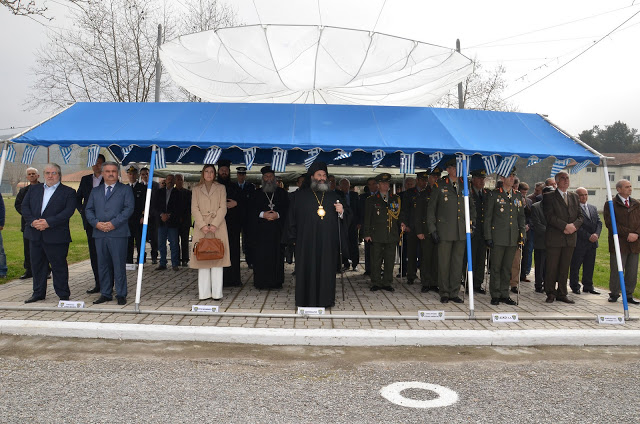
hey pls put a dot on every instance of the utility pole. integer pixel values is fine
(460, 101)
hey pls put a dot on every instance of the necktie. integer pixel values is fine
(564, 196)
(586, 211)
(108, 192)
(626, 202)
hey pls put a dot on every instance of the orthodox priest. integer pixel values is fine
(236, 210)
(267, 214)
(317, 224)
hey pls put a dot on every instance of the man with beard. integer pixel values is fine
(247, 190)
(236, 214)
(267, 213)
(315, 219)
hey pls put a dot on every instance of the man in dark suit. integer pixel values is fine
(539, 224)
(32, 179)
(247, 189)
(168, 210)
(88, 183)
(584, 254)
(152, 224)
(372, 186)
(564, 217)
(108, 210)
(135, 221)
(352, 201)
(46, 209)
(478, 246)
(185, 224)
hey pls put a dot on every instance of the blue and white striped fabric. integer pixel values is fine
(435, 160)
(212, 156)
(579, 167)
(249, 157)
(533, 160)
(182, 153)
(558, 166)
(126, 151)
(11, 153)
(66, 154)
(342, 155)
(312, 156)
(459, 171)
(407, 163)
(377, 157)
(490, 163)
(506, 165)
(29, 154)
(279, 161)
(92, 155)
(161, 162)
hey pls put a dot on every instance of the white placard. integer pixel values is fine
(610, 319)
(70, 304)
(505, 317)
(310, 311)
(131, 267)
(430, 315)
(204, 308)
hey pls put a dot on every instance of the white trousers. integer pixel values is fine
(210, 283)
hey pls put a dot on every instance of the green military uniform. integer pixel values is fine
(446, 223)
(408, 218)
(504, 225)
(429, 250)
(381, 224)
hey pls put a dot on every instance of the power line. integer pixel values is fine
(574, 58)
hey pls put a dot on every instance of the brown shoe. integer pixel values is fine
(564, 299)
(550, 298)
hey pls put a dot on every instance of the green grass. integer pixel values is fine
(13, 247)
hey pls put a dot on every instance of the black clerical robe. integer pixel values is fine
(265, 244)
(234, 219)
(317, 242)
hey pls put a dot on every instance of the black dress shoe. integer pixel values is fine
(185, 263)
(409, 282)
(388, 288)
(122, 300)
(424, 289)
(444, 299)
(613, 299)
(495, 301)
(564, 299)
(539, 290)
(366, 273)
(26, 275)
(33, 299)
(575, 291)
(96, 289)
(457, 300)
(101, 299)
(64, 298)
(161, 268)
(632, 301)
(435, 289)
(375, 288)
(175, 268)
(480, 291)
(154, 261)
(514, 289)
(508, 301)
(550, 298)
(592, 291)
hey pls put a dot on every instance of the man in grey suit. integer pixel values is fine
(585, 253)
(108, 210)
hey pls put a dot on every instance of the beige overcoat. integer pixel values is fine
(210, 208)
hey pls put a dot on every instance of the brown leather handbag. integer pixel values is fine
(208, 249)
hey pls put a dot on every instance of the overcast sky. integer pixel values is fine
(531, 39)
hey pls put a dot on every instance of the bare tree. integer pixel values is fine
(31, 8)
(482, 89)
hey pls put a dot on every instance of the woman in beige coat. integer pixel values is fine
(209, 207)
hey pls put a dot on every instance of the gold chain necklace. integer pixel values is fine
(321, 211)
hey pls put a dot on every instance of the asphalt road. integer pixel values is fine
(49, 380)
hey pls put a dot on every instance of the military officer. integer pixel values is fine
(446, 225)
(478, 246)
(428, 249)
(408, 217)
(382, 212)
(503, 230)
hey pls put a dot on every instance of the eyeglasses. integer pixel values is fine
(50, 173)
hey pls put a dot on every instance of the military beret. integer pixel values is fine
(384, 178)
(224, 162)
(241, 170)
(479, 173)
(132, 169)
(267, 169)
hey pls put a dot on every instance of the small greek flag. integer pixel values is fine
(92, 155)
(212, 156)
(279, 161)
(407, 163)
(126, 151)
(11, 153)
(435, 159)
(533, 160)
(313, 155)
(579, 167)
(66, 154)
(506, 165)
(29, 154)
(182, 153)
(342, 155)
(459, 171)
(490, 163)
(160, 159)
(249, 157)
(378, 155)
(558, 166)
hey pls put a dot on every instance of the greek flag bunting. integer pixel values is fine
(407, 163)
(435, 160)
(29, 154)
(459, 171)
(161, 162)
(342, 155)
(579, 167)
(92, 155)
(506, 165)
(182, 153)
(312, 156)
(249, 157)
(66, 154)
(533, 160)
(126, 151)
(558, 166)
(490, 163)
(378, 155)
(11, 153)
(279, 160)
(212, 156)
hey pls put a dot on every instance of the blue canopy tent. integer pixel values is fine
(427, 133)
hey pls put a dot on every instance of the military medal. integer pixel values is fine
(321, 211)
(446, 199)
(501, 209)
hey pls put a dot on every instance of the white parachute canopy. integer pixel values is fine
(312, 64)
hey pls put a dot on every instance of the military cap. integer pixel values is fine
(224, 162)
(267, 169)
(385, 177)
(436, 171)
(241, 170)
(132, 169)
(479, 173)
(450, 162)
(423, 175)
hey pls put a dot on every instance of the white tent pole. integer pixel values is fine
(467, 226)
(145, 222)
(5, 151)
(616, 241)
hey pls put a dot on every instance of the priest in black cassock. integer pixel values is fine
(267, 210)
(315, 217)
(236, 212)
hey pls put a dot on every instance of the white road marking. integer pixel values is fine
(392, 393)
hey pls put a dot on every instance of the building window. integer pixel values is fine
(638, 178)
(591, 169)
(612, 176)
(591, 192)
(626, 177)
